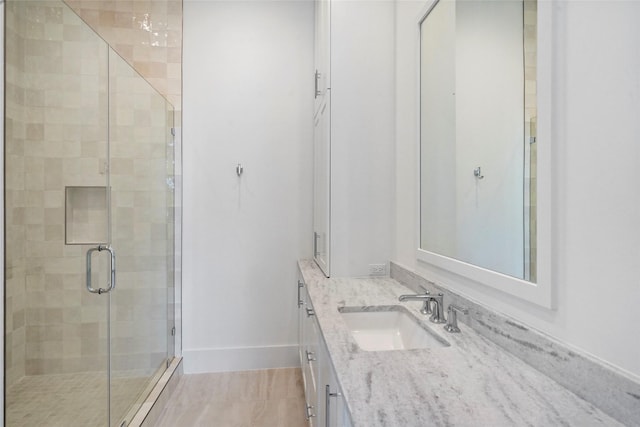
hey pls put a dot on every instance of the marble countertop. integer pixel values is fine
(473, 382)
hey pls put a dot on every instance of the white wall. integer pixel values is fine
(362, 134)
(248, 68)
(596, 203)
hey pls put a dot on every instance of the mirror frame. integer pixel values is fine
(540, 293)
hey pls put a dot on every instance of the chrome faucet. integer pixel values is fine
(438, 310)
(437, 313)
(426, 297)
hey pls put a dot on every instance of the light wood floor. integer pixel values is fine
(268, 398)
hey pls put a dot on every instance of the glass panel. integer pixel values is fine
(531, 135)
(141, 235)
(56, 137)
(62, 108)
(170, 144)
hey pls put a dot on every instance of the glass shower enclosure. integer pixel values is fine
(89, 164)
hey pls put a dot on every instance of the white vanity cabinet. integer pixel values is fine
(325, 406)
(308, 352)
(332, 408)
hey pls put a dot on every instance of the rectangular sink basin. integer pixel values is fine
(392, 327)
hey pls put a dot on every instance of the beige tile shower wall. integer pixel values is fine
(146, 33)
(56, 137)
(65, 79)
(14, 199)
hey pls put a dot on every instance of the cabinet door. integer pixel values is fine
(301, 318)
(310, 389)
(308, 353)
(322, 77)
(322, 186)
(331, 407)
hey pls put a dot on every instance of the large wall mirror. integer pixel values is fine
(479, 162)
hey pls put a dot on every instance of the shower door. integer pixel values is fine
(140, 175)
(88, 211)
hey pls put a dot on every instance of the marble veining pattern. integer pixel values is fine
(612, 391)
(472, 382)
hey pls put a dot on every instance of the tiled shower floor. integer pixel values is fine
(68, 400)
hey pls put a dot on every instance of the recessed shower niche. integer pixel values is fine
(86, 215)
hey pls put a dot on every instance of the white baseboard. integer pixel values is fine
(239, 359)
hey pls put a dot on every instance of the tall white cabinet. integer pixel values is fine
(322, 137)
(354, 116)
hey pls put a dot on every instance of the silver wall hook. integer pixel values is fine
(239, 169)
(477, 172)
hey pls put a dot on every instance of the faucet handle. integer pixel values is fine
(452, 319)
(438, 311)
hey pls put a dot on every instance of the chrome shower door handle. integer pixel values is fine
(112, 268)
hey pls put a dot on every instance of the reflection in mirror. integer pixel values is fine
(478, 134)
